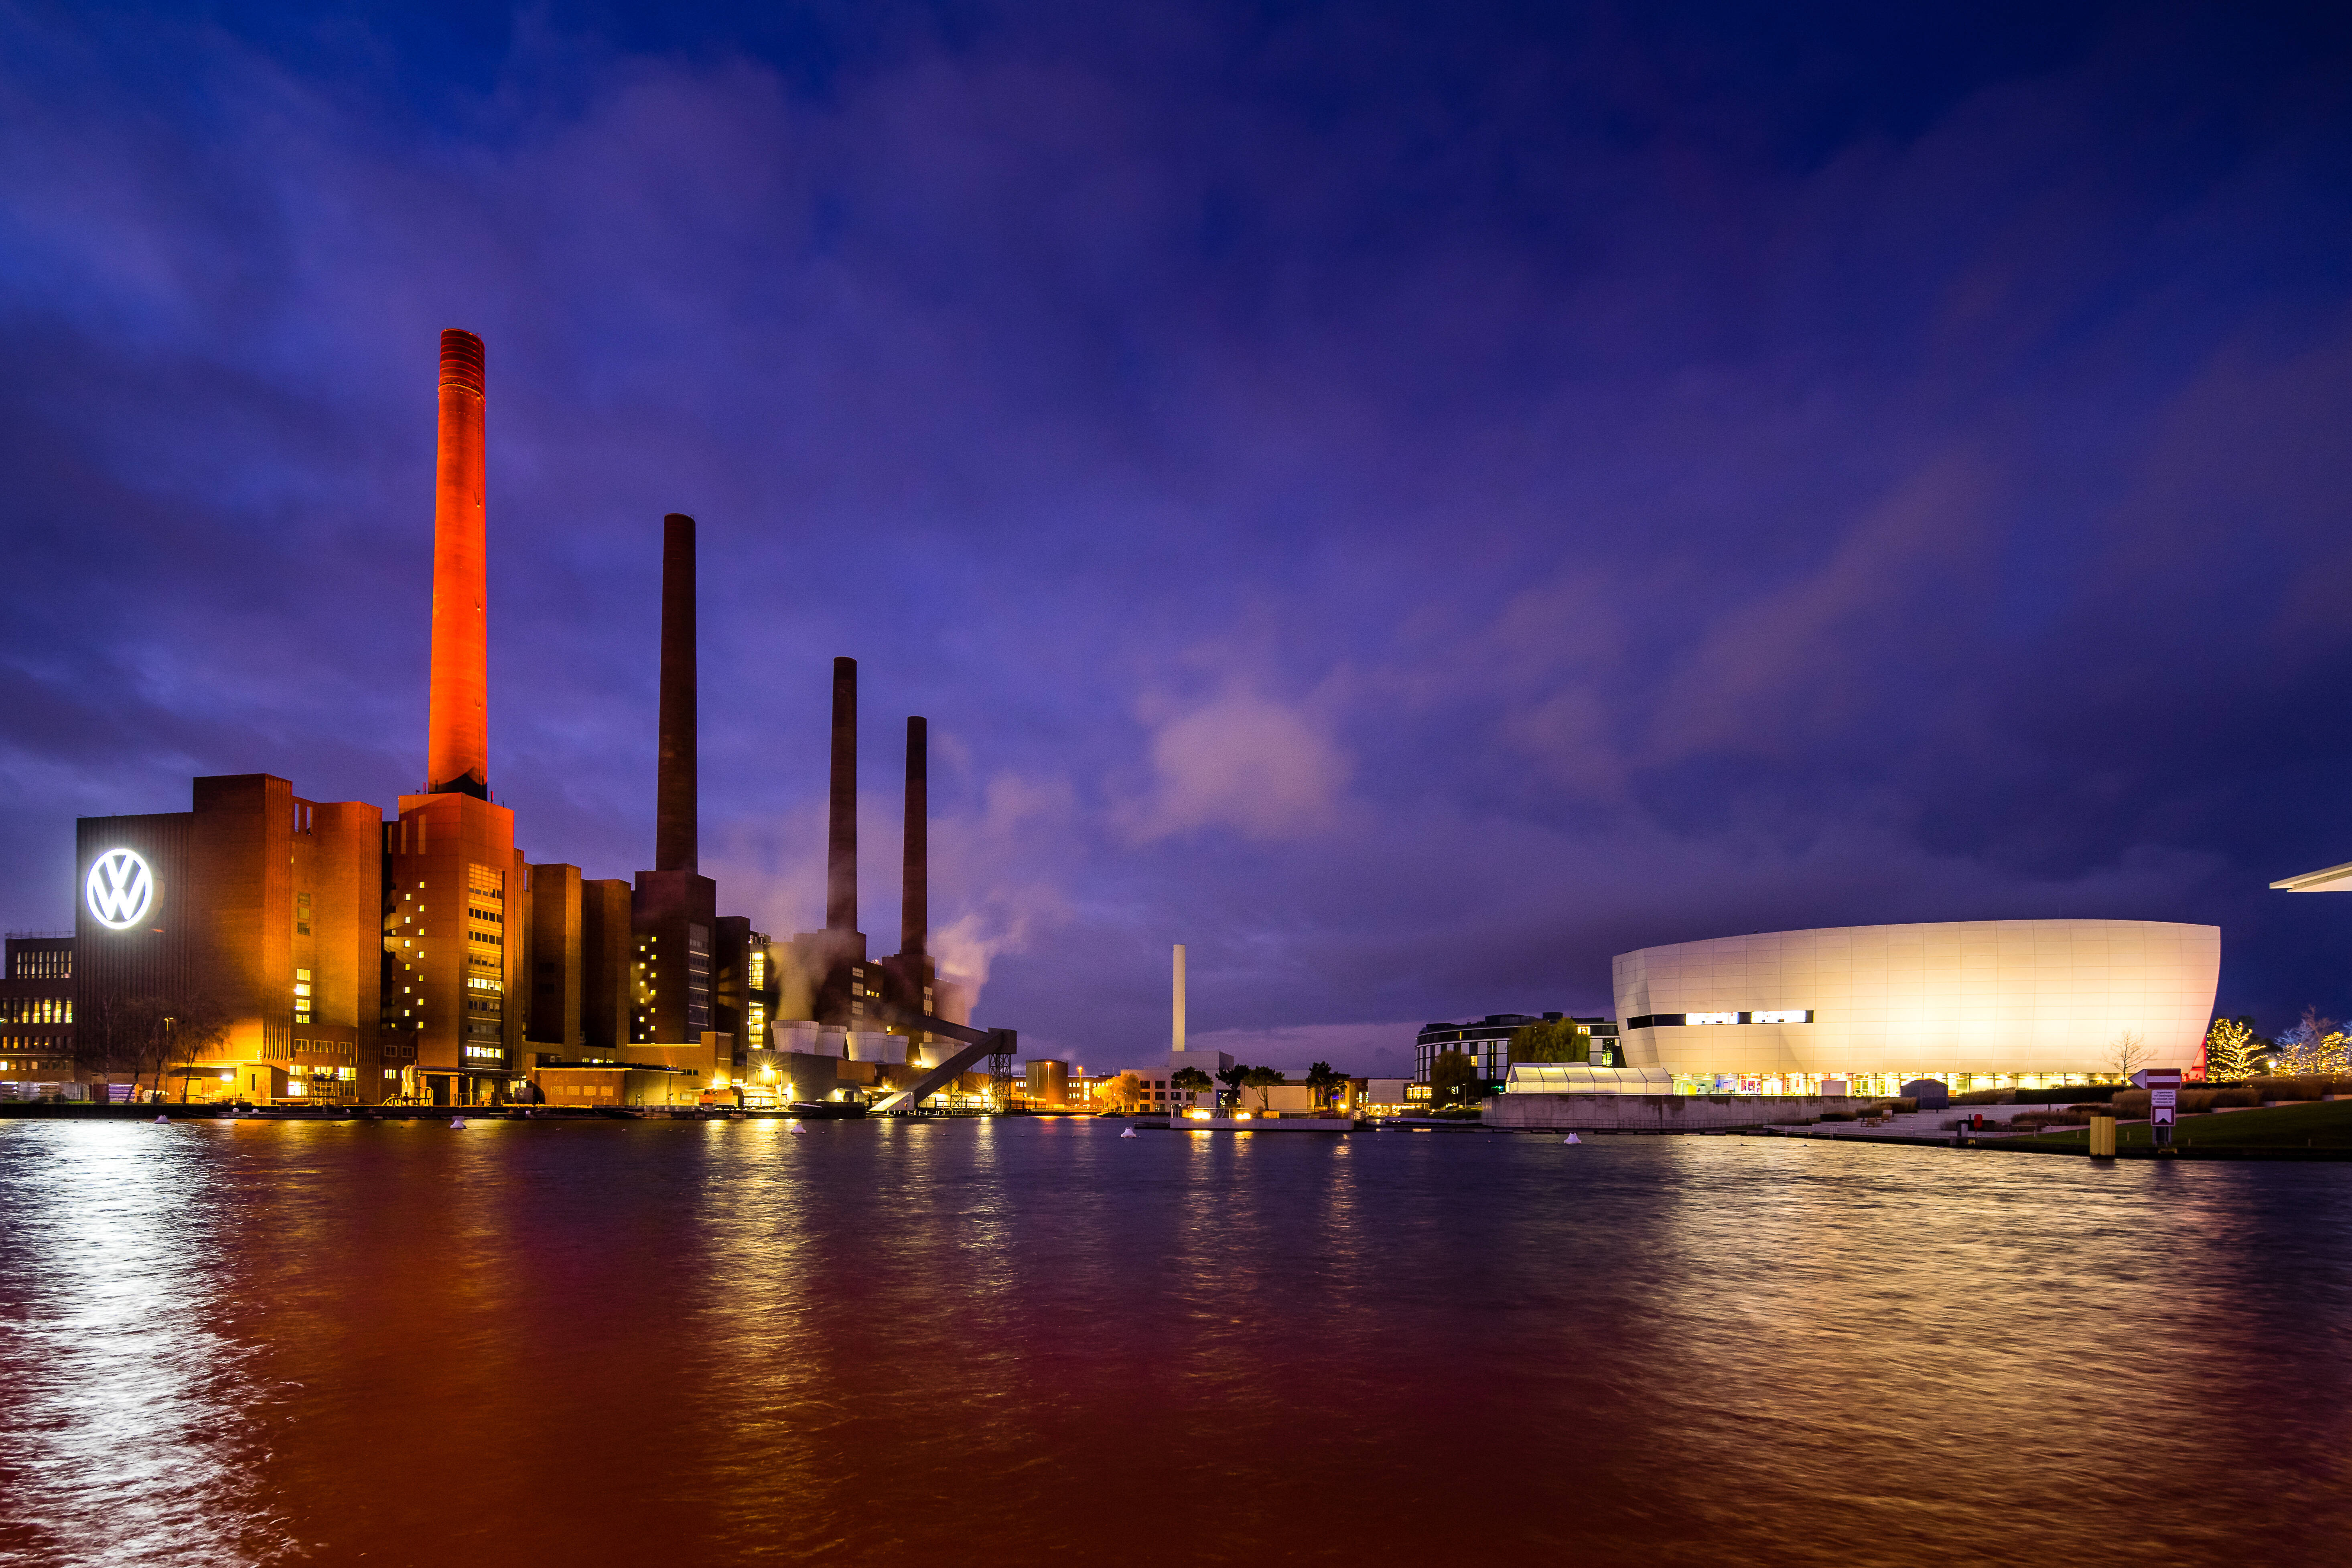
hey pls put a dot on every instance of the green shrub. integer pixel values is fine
(1986, 1097)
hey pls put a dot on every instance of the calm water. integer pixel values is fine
(1037, 1342)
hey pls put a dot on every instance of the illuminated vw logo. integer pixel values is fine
(121, 889)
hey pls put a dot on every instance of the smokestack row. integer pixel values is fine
(672, 920)
(840, 822)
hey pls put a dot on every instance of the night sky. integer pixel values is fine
(1410, 500)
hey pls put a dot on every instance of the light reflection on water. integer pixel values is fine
(129, 1405)
(1018, 1339)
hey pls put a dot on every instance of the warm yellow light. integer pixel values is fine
(1241, 1115)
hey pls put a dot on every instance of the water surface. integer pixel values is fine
(1033, 1341)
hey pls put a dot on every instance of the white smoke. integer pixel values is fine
(992, 869)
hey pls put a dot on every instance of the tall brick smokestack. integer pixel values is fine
(915, 890)
(841, 834)
(457, 748)
(676, 832)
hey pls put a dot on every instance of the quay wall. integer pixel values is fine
(1652, 1113)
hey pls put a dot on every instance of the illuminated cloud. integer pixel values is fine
(1263, 769)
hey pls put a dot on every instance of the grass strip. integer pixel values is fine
(2312, 1125)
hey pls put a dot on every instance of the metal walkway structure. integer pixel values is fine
(976, 1044)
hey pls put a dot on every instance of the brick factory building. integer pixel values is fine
(263, 947)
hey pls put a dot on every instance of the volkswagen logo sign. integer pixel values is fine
(121, 889)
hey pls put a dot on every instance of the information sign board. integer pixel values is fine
(2163, 1086)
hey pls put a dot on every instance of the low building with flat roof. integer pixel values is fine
(1487, 1041)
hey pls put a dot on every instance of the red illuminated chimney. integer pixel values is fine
(457, 750)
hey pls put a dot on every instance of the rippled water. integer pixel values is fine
(1035, 1340)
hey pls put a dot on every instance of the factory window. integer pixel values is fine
(302, 915)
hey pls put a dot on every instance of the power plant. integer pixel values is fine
(265, 948)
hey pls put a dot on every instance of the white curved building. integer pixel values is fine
(1977, 1004)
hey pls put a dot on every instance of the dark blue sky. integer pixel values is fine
(1412, 501)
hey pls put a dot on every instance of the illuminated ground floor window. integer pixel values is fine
(1877, 1085)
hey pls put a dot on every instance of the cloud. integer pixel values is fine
(1264, 769)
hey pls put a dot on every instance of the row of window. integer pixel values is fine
(36, 1010)
(41, 964)
(1677, 1020)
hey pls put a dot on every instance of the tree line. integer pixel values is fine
(1124, 1091)
(139, 1037)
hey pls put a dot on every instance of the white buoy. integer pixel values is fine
(456, 1121)
(162, 1119)
(795, 1127)
(1571, 1138)
(1129, 1133)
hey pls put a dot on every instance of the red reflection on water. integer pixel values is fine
(1020, 1341)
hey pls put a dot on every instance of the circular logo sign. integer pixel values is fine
(121, 889)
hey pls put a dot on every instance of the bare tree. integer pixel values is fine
(196, 1023)
(2128, 1052)
(2311, 1045)
(117, 1033)
(142, 1036)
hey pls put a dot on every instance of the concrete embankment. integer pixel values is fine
(1651, 1113)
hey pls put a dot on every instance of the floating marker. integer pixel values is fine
(1571, 1138)
(457, 1121)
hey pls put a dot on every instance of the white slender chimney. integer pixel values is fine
(1176, 1018)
